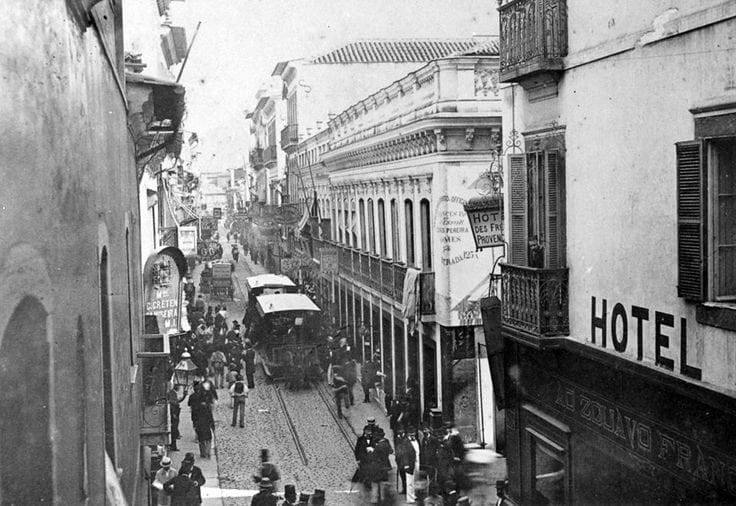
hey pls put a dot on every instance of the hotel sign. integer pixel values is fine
(486, 221)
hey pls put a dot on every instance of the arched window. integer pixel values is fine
(382, 228)
(395, 231)
(426, 234)
(106, 344)
(409, 221)
(371, 228)
(26, 454)
(361, 211)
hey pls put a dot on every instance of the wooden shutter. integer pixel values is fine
(691, 221)
(554, 248)
(518, 209)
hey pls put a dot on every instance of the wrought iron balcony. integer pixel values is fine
(256, 157)
(533, 38)
(289, 136)
(270, 154)
(536, 302)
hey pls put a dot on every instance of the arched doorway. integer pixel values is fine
(25, 446)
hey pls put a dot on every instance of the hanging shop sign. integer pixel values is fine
(209, 250)
(162, 288)
(188, 240)
(328, 260)
(486, 221)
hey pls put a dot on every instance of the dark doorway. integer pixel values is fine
(26, 472)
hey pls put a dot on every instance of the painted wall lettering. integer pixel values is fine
(660, 338)
(656, 443)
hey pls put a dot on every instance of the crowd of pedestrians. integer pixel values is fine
(430, 465)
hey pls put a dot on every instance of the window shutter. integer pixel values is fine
(691, 221)
(518, 209)
(554, 250)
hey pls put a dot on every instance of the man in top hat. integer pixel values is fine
(289, 496)
(249, 363)
(303, 499)
(318, 498)
(181, 488)
(267, 470)
(195, 475)
(368, 375)
(265, 496)
(340, 388)
(163, 475)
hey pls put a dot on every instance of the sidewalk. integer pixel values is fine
(211, 493)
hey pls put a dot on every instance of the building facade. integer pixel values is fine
(617, 309)
(71, 320)
(391, 181)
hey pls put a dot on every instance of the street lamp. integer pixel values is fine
(184, 372)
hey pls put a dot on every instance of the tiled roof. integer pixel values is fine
(404, 51)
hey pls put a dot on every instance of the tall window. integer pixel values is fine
(382, 228)
(130, 295)
(426, 234)
(371, 227)
(409, 222)
(106, 344)
(361, 208)
(395, 230)
(537, 209)
(706, 211)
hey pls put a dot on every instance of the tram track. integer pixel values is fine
(291, 426)
(332, 409)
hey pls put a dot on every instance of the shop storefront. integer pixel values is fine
(584, 426)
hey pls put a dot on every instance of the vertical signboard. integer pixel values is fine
(162, 288)
(328, 262)
(188, 240)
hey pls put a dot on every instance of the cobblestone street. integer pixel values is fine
(326, 458)
(309, 445)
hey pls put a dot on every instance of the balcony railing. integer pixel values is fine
(365, 268)
(289, 136)
(387, 278)
(535, 301)
(380, 274)
(256, 157)
(399, 275)
(533, 37)
(270, 154)
(375, 273)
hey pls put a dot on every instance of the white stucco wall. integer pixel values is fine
(461, 272)
(623, 115)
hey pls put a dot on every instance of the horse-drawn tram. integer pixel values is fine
(288, 326)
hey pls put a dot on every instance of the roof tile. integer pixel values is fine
(407, 50)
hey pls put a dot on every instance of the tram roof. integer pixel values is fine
(277, 302)
(269, 281)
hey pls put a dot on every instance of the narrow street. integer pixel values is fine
(312, 448)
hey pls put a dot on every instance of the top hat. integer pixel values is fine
(290, 493)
